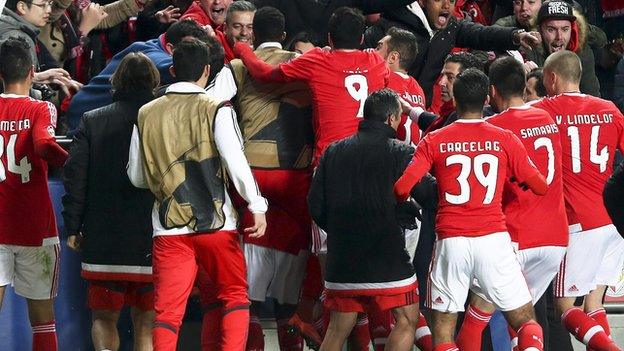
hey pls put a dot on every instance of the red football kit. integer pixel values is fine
(340, 82)
(532, 220)
(407, 88)
(471, 160)
(26, 133)
(591, 129)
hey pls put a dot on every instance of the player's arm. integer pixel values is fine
(45, 145)
(224, 86)
(418, 115)
(421, 163)
(230, 145)
(135, 170)
(75, 180)
(258, 68)
(522, 169)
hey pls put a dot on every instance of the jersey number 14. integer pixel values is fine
(23, 168)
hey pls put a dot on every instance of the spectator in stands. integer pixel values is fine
(524, 13)
(208, 12)
(102, 209)
(438, 32)
(158, 16)
(98, 92)
(24, 19)
(534, 89)
(191, 230)
(563, 29)
(238, 27)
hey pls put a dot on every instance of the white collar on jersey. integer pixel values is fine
(269, 44)
(402, 75)
(460, 120)
(521, 107)
(12, 96)
(574, 94)
(184, 87)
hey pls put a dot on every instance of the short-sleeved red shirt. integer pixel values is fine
(26, 213)
(407, 88)
(532, 220)
(471, 160)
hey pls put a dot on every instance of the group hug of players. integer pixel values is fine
(520, 202)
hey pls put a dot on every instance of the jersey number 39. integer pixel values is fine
(476, 165)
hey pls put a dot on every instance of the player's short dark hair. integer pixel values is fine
(239, 6)
(565, 64)
(470, 90)
(217, 56)
(507, 75)
(186, 28)
(404, 42)
(303, 37)
(135, 72)
(189, 59)
(268, 25)
(538, 74)
(465, 60)
(381, 104)
(346, 27)
(15, 60)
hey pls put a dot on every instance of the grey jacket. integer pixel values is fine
(13, 25)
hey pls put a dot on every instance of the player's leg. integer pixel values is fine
(142, 321)
(220, 255)
(340, 326)
(213, 311)
(7, 265)
(476, 318)
(578, 277)
(423, 339)
(380, 325)
(174, 269)
(141, 300)
(261, 265)
(594, 308)
(401, 337)
(36, 279)
(443, 330)
(105, 300)
(104, 329)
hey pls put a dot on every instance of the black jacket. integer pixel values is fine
(352, 199)
(614, 198)
(312, 16)
(433, 51)
(100, 201)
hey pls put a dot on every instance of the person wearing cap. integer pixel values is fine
(562, 28)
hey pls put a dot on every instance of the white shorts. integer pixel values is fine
(540, 266)
(411, 241)
(32, 270)
(487, 265)
(595, 257)
(273, 273)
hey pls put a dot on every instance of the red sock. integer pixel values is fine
(469, 336)
(587, 331)
(423, 338)
(234, 327)
(530, 337)
(211, 330)
(255, 338)
(513, 336)
(449, 346)
(288, 341)
(380, 325)
(164, 336)
(600, 316)
(360, 336)
(44, 337)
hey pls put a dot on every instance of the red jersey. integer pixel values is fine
(340, 82)
(26, 214)
(471, 160)
(408, 88)
(532, 220)
(591, 129)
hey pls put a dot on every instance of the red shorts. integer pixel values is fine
(370, 304)
(114, 295)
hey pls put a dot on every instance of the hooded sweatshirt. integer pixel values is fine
(13, 25)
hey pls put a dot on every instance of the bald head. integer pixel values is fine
(566, 65)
